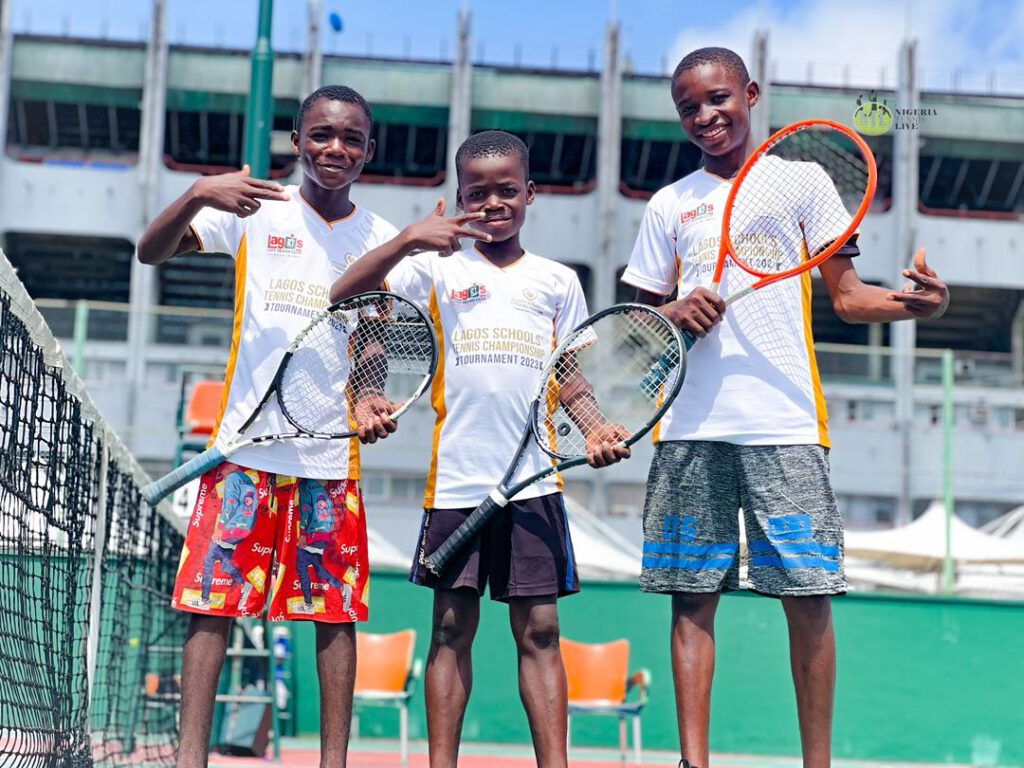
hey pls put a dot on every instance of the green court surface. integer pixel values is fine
(920, 680)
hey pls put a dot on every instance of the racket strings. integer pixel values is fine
(607, 385)
(797, 199)
(359, 355)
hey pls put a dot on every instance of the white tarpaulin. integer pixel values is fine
(602, 554)
(922, 543)
(1009, 526)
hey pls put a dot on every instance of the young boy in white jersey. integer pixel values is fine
(749, 427)
(499, 311)
(289, 245)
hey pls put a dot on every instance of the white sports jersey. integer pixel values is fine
(754, 379)
(497, 327)
(286, 258)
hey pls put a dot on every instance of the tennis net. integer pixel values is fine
(86, 569)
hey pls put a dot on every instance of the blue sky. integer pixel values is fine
(826, 41)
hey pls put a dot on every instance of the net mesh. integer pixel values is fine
(78, 631)
(368, 353)
(610, 381)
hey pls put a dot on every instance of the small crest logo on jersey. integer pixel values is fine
(285, 245)
(529, 303)
(702, 211)
(471, 295)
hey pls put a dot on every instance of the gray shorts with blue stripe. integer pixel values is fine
(695, 492)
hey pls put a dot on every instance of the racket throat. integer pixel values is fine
(498, 498)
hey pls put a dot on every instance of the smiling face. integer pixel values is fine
(714, 109)
(333, 143)
(496, 185)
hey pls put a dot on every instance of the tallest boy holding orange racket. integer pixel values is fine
(749, 427)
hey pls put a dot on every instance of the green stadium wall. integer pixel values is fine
(920, 678)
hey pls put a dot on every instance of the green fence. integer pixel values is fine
(920, 679)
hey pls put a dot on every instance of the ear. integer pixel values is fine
(753, 92)
(295, 142)
(531, 192)
(371, 147)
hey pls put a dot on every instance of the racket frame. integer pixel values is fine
(726, 247)
(499, 498)
(214, 455)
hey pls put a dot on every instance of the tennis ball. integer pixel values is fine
(335, 19)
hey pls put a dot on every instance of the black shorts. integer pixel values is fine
(525, 551)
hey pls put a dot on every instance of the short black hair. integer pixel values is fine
(493, 144)
(724, 57)
(333, 93)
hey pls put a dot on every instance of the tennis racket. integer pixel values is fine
(795, 202)
(594, 387)
(368, 347)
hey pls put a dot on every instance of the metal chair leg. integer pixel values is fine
(637, 745)
(403, 732)
(622, 738)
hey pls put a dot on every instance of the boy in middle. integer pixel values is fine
(499, 311)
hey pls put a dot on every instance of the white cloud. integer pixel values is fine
(857, 41)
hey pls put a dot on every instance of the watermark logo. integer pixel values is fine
(873, 116)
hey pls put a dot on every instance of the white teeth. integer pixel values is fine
(713, 133)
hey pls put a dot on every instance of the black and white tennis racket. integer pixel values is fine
(366, 351)
(595, 387)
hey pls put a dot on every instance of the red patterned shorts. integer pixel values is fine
(259, 539)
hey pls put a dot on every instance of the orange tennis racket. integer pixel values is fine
(795, 202)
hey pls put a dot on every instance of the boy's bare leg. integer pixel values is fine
(812, 654)
(693, 667)
(542, 683)
(201, 663)
(449, 677)
(336, 669)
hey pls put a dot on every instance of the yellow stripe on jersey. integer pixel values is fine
(656, 433)
(236, 334)
(821, 409)
(436, 399)
(353, 442)
(554, 440)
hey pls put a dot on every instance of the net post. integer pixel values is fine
(81, 333)
(96, 589)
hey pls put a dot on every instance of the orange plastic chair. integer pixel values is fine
(203, 408)
(600, 684)
(386, 675)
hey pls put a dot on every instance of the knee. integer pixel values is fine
(813, 612)
(450, 633)
(698, 609)
(539, 635)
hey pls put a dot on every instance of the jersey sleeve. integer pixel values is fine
(412, 279)
(652, 265)
(571, 311)
(824, 217)
(218, 231)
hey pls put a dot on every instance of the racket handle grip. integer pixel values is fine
(173, 480)
(689, 340)
(660, 372)
(478, 518)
